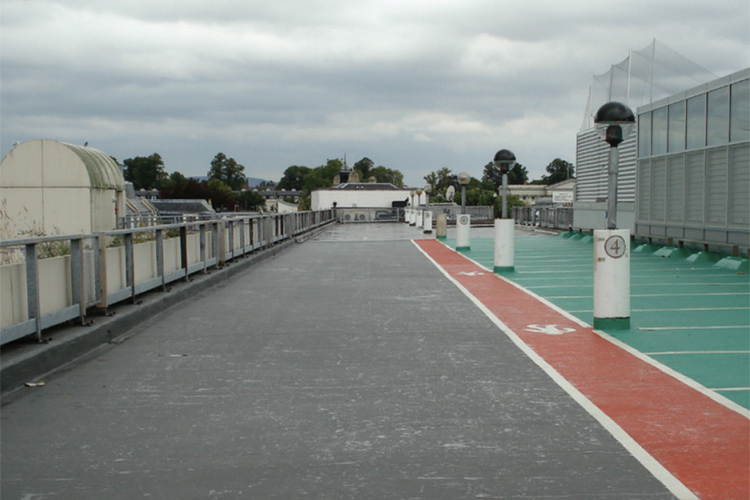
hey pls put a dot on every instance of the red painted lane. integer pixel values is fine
(704, 444)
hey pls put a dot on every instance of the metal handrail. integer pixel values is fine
(253, 232)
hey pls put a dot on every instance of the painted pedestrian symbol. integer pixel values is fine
(549, 329)
(471, 273)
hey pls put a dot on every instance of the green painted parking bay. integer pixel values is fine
(690, 311)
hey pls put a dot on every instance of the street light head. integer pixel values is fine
(505, 160)
(427, 189)
(464, 178)
(614, 123)
(419, 192)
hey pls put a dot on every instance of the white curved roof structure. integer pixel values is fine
(49, 187)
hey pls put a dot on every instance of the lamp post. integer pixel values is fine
(504, 227)
(614, 123)
(463, 221)
(427, 218)
(505, 160)
(412, 210)
(463, 180)
(419, 209)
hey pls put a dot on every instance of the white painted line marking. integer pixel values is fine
(657, 328)
(669, 353)
(656, 295)
(650, 463)
(622, 345)
(579, 311)
(728, 389)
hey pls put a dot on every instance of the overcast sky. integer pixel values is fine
(414, 85)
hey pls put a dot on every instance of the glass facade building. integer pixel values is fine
(693, 164)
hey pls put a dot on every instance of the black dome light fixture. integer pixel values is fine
(463, 180)
(614, 123)
(505, 160)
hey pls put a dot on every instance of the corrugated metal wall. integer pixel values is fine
(592, 156)
(702, 195)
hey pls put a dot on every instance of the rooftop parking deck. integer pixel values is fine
(360, 364)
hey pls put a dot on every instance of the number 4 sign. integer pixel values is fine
(615, 246)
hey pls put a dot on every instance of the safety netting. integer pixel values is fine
(645, 76)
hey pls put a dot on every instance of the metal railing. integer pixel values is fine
(369, 214)
(99, 270)
(374, 214)
(547, 217)
(478, 213)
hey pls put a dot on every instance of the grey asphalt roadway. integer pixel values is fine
(347, 367)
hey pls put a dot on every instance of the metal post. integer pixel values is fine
(102, 274)
(160, 258)
(203, 248)
(33, 301)
(614, 158)
(252, 230)
(242, 237)
(505, 196)
(184, 251)
(463, 199)
(129, 265)
(76, 276)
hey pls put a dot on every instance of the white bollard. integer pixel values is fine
(419, 218)
(442, 225)
(412, 217)
(427, 222)
(463, 227)
(504, 245)
(612, 279)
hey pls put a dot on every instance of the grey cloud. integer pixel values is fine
(415, 85)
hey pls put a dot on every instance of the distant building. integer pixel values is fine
(180, 208)
(359, 194)
(346, 175)
(278, 193)
(49, 187)
(280, 206)
(530, 194)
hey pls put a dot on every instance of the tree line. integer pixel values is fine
(226, 183)
(224, 187)
(227, 190)
(484, 191)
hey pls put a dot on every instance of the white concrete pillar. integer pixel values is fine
(504, 245)
(442, 226)
(427, 222)
(412, 217)
(612, 279)
(419, 218)
(463, 228)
